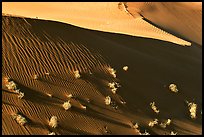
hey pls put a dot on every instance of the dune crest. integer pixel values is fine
(107, 16)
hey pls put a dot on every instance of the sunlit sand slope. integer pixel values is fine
(103, 16)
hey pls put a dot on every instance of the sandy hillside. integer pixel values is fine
(54, 50)
(183, 19)
(52, 62)
(103, 16)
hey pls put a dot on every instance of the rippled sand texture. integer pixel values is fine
(52, 51)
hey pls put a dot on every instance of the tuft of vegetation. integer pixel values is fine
(51, 133)
(20, 119)
(76, 74)
(145, 133)
(192, 109)
(108, 100)
(125, 68)
(53, 122)
(154, 108)
(112, 72)
(173, 133)
(20, 95)
(67, 105)
(166, 123)
(173, 88)
(11, 85)
(152, 123)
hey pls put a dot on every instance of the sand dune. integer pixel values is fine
(183, 19)
(39, 47)
(103, 16)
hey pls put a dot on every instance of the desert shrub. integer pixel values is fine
(172, 133)
(11, 85)
(152, 123)
(51, 133)
(173, 88)
(53, 122)
(67, 105)
(20, 95)
(192, 109)
(154, 108)
(76, 74)
(112, 72)
(108, 100)
(20, 119)
(125, 68)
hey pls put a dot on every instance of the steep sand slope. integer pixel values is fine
(32, 46)
(103, 16)
(181, 18)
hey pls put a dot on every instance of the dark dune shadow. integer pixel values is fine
(38, 97)
(95, 114)
(71, 130)
(153, 65)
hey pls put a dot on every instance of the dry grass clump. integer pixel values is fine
(172, 133)
(108, 100)
(173, 88)
(112, 72)
(51, 133)
(67, 105)
(154, 108)
(76, 74)
(11, 85)
(145, 133)
(192, 109)
(166, 123)
(135, 126)
(125, 68)
(21, 95)
(152, 123)
(17, 91)
(53, 122)
(20, 119)
(113, 86)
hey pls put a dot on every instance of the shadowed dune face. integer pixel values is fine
(31, 46)
(183, 19)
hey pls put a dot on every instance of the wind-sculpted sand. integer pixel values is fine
(53, 63)
(107, 16)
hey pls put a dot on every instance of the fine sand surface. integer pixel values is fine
(181, 18)
(103, 16)
(144, 36)
(34, 46)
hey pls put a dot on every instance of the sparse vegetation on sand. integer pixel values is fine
(67, 105)
(11, 85)
(154, 108)
(152, 123)
(77, 74)
(53, 122)
(192, 109)
(108, 100)
(173, 88)
(19, 118)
